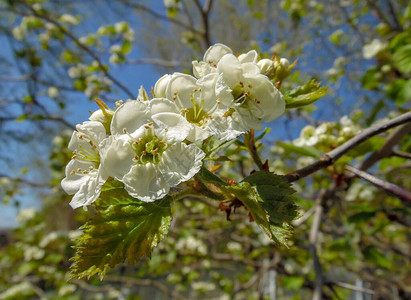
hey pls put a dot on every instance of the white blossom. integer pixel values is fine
(243, 88)
(84, 177)
(196, 101)
(148, 159)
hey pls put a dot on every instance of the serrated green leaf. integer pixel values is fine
(125, 230)
(270, 200)
(249, 197)
(277, 196)
(306, 94)
(306, 151)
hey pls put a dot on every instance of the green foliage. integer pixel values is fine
(402, 59)
(304, 95)
(121, 229)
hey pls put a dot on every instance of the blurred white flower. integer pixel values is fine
(370, 50)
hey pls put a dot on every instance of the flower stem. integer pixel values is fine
(249, 142)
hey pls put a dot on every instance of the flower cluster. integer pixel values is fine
(151, 144)
(328, 135)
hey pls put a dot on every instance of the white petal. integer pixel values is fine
(250, 69)
(160, 105)
(130, 116)
(89, 131)
(180, 162)
(272, 104)
(207, 85)
(215, 53)
(223, 91)
(230, 67)
(226, 128)
(198, 134)
(116, 156)
(183, 85)
(249, 119)
(250, 56)
(146, 183)
(201, 68)
(173, 126)
(72, 182)
(88, 192)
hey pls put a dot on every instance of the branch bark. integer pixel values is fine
(386, 186)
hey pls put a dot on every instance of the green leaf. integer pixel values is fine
(402, 59)
(306, 151)
(270, 200)
(371, 253)
(126, 229)
(211, 146)
(305, 94)
(277, 196)
(205, 175)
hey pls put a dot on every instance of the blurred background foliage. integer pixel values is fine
(58, 55)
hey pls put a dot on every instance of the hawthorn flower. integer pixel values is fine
(210, 60)
(84, 177)
(245, 90)
(146, 158)
(195, 101)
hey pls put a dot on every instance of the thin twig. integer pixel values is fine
(332, 156)
(401, 154)
(315, 228)
(386, 150)
(393, 189)
(83, 47)
(352, 287)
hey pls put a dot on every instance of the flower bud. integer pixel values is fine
(266, 65)
(161, 85)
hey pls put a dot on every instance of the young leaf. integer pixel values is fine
(125, 230)
(277, 198)
(305, 94)
(270, 200)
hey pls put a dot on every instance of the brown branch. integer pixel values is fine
(205, 13)
(393, 189)
(386, 150)
(401, 154)
(329, 158)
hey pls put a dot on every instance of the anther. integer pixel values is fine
(124, 130)
(72, 172)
